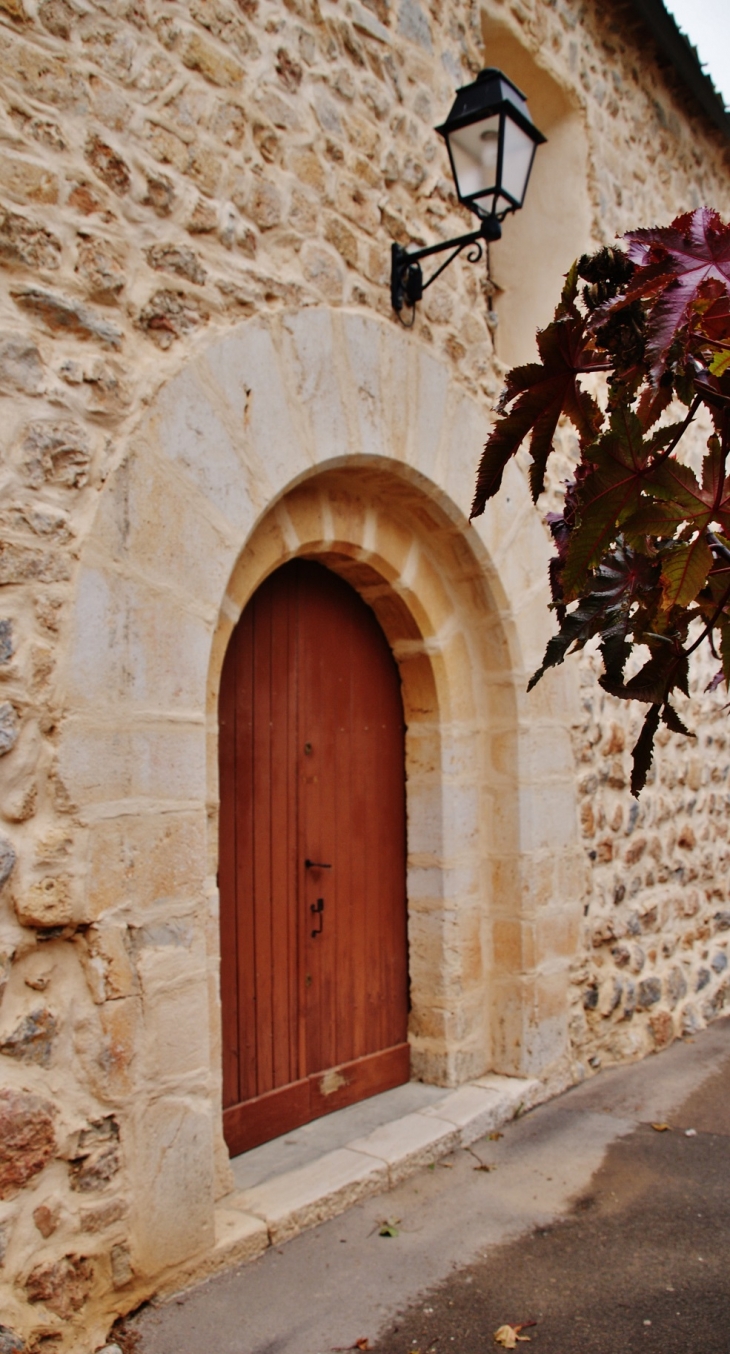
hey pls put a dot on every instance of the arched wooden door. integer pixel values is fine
(314, 964)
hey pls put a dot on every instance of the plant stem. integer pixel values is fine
(718, 545)
(712, 622)
(662, 455)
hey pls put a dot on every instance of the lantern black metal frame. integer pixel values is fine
(484, 98)
(406, 276)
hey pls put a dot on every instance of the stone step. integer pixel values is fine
(277, 1209)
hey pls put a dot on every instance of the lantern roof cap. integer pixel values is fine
(488, 93)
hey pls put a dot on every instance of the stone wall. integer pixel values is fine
(654, 956)
(168, 171)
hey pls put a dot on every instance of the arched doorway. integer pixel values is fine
(312, 863)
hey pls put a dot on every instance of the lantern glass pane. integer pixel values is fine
(519, 149)
(475, 152)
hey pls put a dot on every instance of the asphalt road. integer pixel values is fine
(640, 1263)
(610, 1236)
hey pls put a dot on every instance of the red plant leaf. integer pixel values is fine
(674, 264)
(621, 457)
(643, 751)
(539, 394)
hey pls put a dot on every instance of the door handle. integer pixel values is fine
(316, 865)
(318, 910)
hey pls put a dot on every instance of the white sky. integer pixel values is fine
(707, 25)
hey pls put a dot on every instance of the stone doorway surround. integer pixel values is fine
(332, 435)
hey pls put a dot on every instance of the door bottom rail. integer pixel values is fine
(281, 1111)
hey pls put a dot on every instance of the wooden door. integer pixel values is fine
(314, 965)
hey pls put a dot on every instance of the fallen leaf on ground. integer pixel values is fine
(389, 1227)
(661, 1128)
(483, 1167)
(507, 1336)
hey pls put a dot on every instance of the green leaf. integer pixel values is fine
(720, 364)
(684, 572)
(644, 751)
(389, 1227)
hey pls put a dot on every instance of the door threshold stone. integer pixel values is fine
(279, 1208)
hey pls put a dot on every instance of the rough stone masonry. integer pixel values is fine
(170, 171)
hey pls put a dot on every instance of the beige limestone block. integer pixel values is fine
(407, 1144)
(127, 643)
(152, 516)
(239, 1237)
(246, 368)
(514, 1093)
(546, 753)
(357, 204)
(363, 348)
(307, 350)
(174, 986)
(309, 169)
(308, 516)
(547, 816)
(100, 764)
(303, 1198)
(21, 369)
(171, 1143)
(26, 181)
(177, 1035)
(166, 146)
(115, 1071)
(398, 375)
(47, 903)
(106, 962)
(323, 268)
(24, 242)
(44, 77)
(137, 859)
(431, 407)
(213, 63)
(197, 436)
(348, 515)
(343, 239)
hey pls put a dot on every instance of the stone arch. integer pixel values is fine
(376, 526)
(333, 434)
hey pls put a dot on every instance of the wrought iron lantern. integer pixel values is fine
(491, 140)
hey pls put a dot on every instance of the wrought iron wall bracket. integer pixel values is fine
(406, 276)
